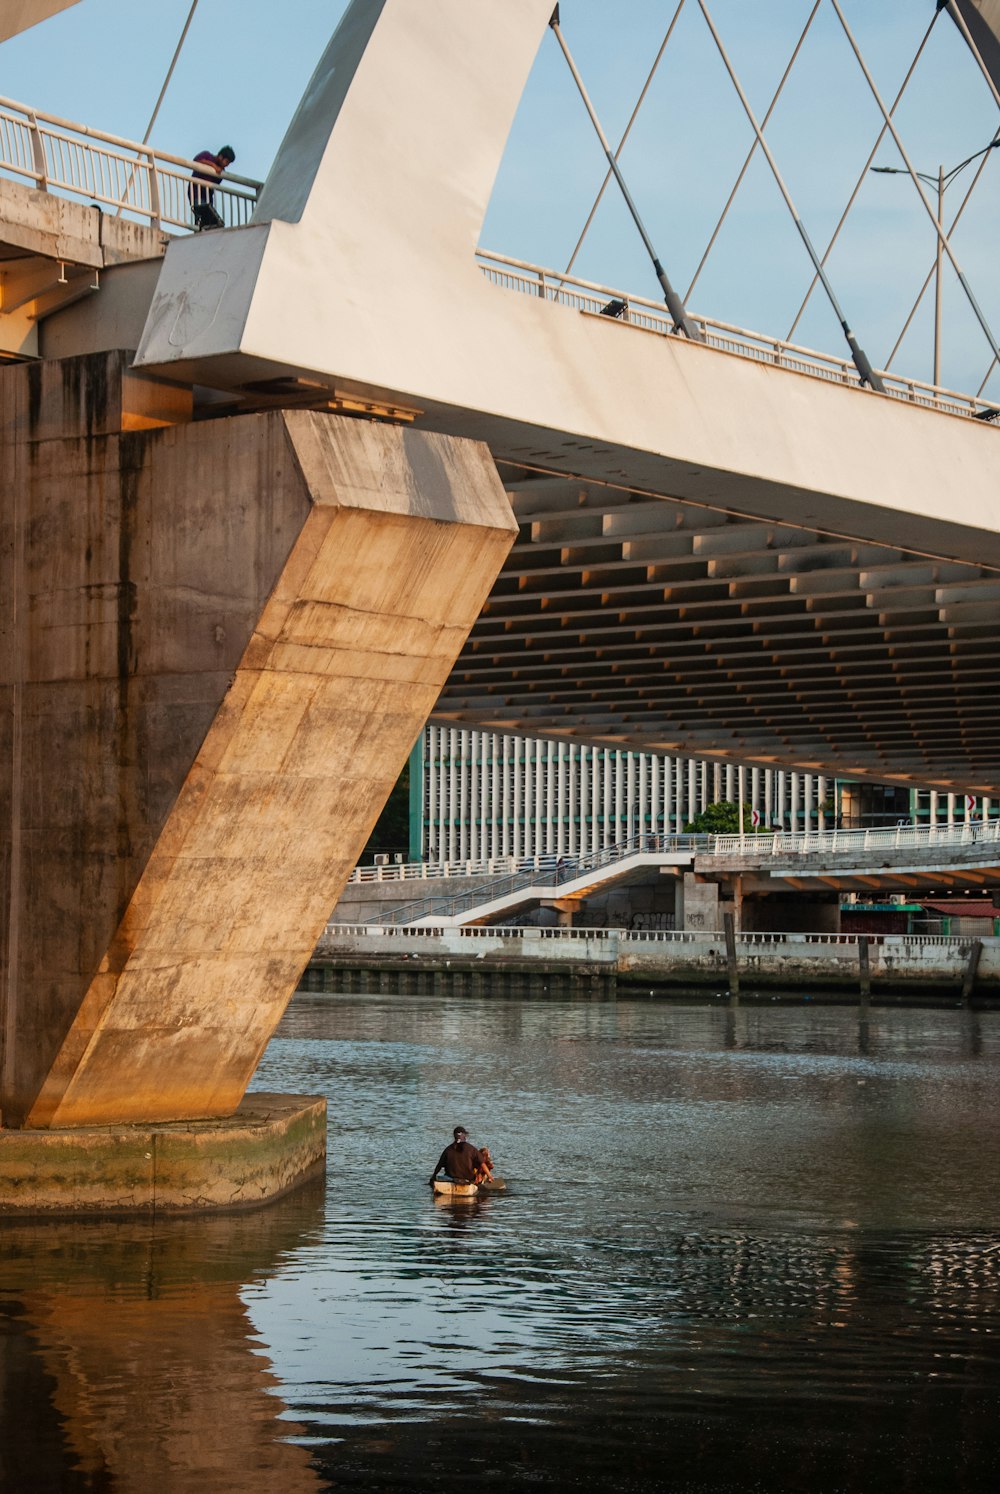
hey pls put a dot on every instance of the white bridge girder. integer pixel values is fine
(717, 556)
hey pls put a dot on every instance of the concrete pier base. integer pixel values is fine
(270, 1145)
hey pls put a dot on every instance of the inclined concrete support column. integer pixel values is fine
(224, 639)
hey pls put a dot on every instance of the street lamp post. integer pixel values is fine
(937, 283)
(942, 181)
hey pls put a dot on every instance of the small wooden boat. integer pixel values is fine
(447, 1189)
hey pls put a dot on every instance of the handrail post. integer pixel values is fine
(154, 189)
(38, 154)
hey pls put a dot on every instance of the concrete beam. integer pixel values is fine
(55, 228)
(223, 639)
(52, 253)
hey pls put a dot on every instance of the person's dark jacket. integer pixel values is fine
(459, 1161)
(214, 167)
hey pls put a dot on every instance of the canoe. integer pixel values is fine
(467, 1190)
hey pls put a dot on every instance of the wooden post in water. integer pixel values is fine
(971, 966)
(864, 969)
(729, 924)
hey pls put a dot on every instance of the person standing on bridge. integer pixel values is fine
(459, 1161)
(210, 167)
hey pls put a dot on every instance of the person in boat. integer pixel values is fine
(460, 1161)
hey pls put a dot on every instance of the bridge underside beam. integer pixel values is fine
(222, 639)
(675, 627)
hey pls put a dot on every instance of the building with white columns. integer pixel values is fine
(476, 795)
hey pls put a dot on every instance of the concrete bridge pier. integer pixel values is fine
(221, 638)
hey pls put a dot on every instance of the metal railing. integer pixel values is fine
(547, 873)
(56, 155)
(550, 873)
(652, 316)
(760, 843)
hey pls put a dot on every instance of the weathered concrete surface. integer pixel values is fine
(57, 228)
(269, 1146)
(53, 253)
(221, 641)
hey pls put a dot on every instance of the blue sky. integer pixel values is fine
(241, 75)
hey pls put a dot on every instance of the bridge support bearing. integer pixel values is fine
(222, 639)
(272, 1144)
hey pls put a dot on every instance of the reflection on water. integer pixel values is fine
(128, 1361)
(742, 1248)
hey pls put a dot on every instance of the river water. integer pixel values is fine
(741, 1249)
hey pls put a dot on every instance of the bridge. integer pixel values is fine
(708, 871)
(233, 604)
(708, 558)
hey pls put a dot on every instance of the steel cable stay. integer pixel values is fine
(628, 130)
(677, 304)
(938, 227)
(753, 149)
(866, 372)
(678, 313)
(162, 94)
(993, 363)
(860, 182)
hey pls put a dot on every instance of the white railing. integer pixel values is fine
(765, 845)
(512, 881)
(652, 316)
(56, 155)
(346, 932)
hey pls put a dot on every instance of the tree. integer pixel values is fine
(722, 818)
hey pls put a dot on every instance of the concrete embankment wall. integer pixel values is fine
(368, 902)
(610, 961)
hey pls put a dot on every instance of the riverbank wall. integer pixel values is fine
(602, 963)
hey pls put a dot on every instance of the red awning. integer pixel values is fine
(966, 907)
